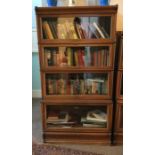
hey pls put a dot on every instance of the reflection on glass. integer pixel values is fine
(77, 56)
(77, 116)
(76, 28)
(77, 84)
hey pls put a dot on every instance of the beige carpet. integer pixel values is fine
(37, 135)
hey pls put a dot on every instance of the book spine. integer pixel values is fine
(82, 57)
(69, 57)
(57, 58)
(77, 30)
(50, 86)
(99, 58)
(81, 86)
(48, 58)
(54, 58)
(72, 85)
(76, 58)
(68, 87)
(52, 29)
(102, 56)
(48, 30)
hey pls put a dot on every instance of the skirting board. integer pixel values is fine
(36, 93)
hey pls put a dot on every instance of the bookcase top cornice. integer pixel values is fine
(77, 10)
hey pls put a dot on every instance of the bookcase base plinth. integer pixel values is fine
(118, 138)
(77, 138)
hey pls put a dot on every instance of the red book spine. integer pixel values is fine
(68, 87)
(79, 58)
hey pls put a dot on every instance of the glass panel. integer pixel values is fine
(121, 90)
(77, 84)
(77, 56)
(77, 116)
(76, 27)
(121, 117)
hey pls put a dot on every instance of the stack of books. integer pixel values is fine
(95, 118)
(60, 119)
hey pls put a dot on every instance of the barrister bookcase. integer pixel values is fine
(76, 53)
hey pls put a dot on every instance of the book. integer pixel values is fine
(53, 30)
(78, 31)
(54, 57)
(93, 33)
(104, 31)
(99, 30)
(61, 118)
(62, 56)
(70, 28)
(61, 32)
(69, 56)
(94, 125)
(105, 87)
(48, 58)
(96, 116)
(47, 30)
(50, 86)
(84, 120)
(76, 58)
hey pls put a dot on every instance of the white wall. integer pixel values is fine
(120, 13)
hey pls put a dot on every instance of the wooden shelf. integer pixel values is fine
(76, 69)
(76, 42)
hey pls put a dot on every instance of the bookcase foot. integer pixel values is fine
(118, 138)
(77, 138)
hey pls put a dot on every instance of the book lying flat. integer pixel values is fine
(94, 125)
(97, 115)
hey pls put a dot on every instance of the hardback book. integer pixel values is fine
(48, 57)
(62, 117)
(47, 30)
(94, 125)
(69, 56)
(98, 29)
(97, 116)
(53, 29)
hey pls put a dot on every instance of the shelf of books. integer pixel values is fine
(77, 25)
(77, 85)
(72, 117)
(71, 58)
(86, 121)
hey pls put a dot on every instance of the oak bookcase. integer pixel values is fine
(118, 131)
(76, 52)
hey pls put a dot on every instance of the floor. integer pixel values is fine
(37, 135)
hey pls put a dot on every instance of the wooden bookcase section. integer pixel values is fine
(76, 53)
(118, 119)
(118, 133)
